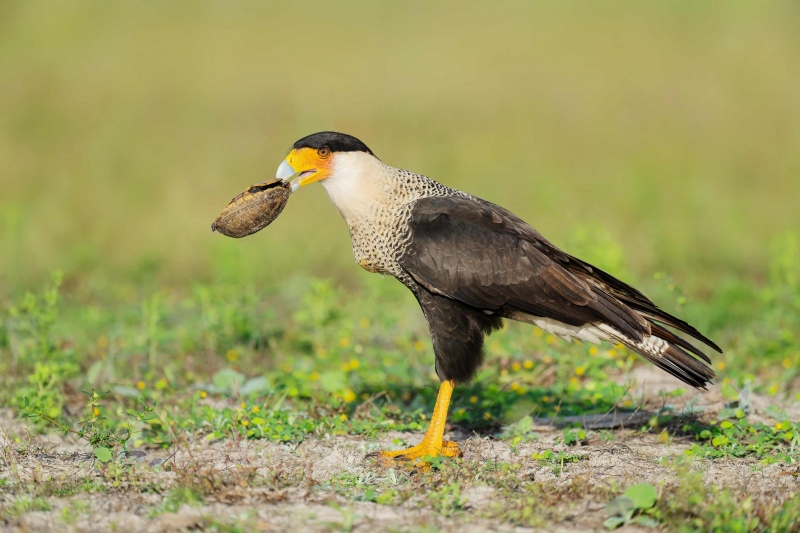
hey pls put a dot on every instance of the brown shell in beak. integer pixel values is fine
(254, 209)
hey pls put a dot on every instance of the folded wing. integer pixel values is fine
(485, 257)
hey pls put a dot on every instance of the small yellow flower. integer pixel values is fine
(528, 364)
(593, 351)
(521, 390)
(573, 380)
(232, 355)
(547, 359)
(726, 381)
(344, 342)
(627, 403)
(773, 389)
(461, 411)
(348, 396)
(556, 408)
(787, 363)
(551, 339)
(342, 417)
(516, 367)
(778, 426)
(419, 346)
(256, 409)
(243, 405)
(514, 386)
(537, 332)
(580, 371)
(161, 384)
(363, 323)
(314, 376)
(203, 394)
(487, 416)
(721, 365)
(612, 353)
(546, 399)
(504, 372)
(422, 416)
(473, 399)
(96, 411)
(354, 364)
(245, 422)
(141, 385)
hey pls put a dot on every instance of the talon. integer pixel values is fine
(448, 448)
(433, 444)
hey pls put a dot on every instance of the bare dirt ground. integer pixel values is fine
(318, 485)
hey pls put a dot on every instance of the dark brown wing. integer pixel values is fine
(470, 251)
(482, 255)
(627, 294)
(604, 281)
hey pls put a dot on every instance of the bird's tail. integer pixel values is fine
(670, 353)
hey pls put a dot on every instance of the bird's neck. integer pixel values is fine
(360, 186)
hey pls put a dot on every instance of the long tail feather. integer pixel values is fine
(666, 351)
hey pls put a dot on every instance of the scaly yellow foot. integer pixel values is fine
(447, 448)
(433, 444)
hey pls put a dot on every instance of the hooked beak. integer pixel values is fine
(286, 171)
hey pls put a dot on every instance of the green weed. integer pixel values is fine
(737, 437)
(557, 460)
(102, 435)
(26, 504)
(633, 507)
(176, 497)
(696, 506)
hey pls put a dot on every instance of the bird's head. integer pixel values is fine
(314, 158)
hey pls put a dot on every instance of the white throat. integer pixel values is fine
(358, 185)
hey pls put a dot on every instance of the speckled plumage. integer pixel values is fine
(380, 234)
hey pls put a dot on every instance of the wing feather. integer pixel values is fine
(483, 256)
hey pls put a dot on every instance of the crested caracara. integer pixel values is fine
(471, 263)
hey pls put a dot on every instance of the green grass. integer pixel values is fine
(312, 360)
(221, 361)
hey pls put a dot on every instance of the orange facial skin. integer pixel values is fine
(308, 160)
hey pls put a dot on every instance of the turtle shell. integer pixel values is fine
(254, 209)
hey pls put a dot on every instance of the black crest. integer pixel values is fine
(337, 142)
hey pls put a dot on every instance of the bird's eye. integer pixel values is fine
(324, 152)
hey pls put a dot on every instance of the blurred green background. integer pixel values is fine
(671, 128)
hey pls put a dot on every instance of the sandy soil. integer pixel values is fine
(274, 487)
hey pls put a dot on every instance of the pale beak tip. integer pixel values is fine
(285, 170)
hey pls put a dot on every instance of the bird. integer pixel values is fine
(471, 264)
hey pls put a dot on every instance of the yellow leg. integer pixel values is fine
(433, 443)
